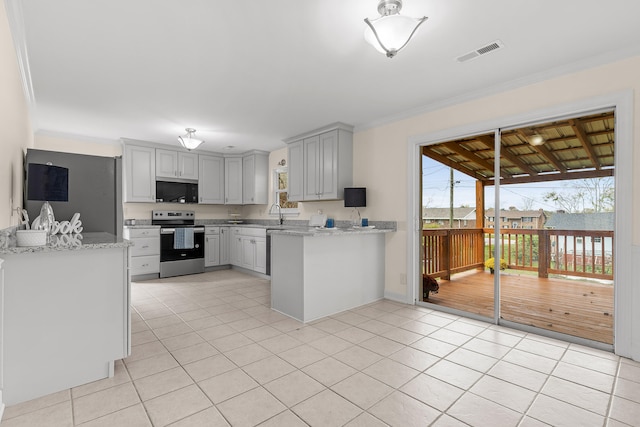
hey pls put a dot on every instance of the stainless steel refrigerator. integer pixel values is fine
(95, 190)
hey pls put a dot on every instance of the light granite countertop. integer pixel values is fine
(68, 242)
(336, 231)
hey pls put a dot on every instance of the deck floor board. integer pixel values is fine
(574, 307)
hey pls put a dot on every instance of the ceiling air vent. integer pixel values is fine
(491, 47)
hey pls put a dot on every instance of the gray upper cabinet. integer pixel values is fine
(255, 178)
(211, 180)
(233, 180)
(139, 166)
(296, 171)
(187, 165)
(176, 164)
(321, 163)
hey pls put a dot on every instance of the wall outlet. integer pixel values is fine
(403, 279)
(319, 211)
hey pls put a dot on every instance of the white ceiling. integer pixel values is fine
(250, 73)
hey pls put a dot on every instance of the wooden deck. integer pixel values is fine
(579, 308)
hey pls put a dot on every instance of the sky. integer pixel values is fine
(436, 189)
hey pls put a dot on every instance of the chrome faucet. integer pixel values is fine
(280, 217)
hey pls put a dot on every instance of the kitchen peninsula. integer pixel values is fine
(66, 313)
(320, 272)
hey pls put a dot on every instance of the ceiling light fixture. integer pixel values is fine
(188, 141)
(391, 32)
(536, 139)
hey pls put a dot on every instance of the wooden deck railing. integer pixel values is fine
(448, 251)
(568, 252)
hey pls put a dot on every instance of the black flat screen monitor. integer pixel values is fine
(48, 183)
(355, 197)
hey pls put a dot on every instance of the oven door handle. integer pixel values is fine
(173, 230)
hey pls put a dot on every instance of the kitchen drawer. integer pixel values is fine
(133, 233)
(145, 246)
(249, 231)
(145, 264)
(211, 230)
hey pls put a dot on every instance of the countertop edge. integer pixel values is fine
(327, 232)
(70, 242)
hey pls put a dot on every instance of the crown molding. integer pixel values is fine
(593, 62)
(16, 25)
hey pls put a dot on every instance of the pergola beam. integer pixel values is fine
(452, 164)
(488, 142)
(456, 148)
(544, 152)
(564, 176)
(582, 137)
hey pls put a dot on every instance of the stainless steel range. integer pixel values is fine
(181, 243)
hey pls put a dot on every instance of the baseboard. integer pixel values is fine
(217, 267)
(143, 277)
(250, 272)
(394, 296)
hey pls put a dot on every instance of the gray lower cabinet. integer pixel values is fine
(66, 317)
(211, 246)
(145, 253)
(225, 242)
(249, 248)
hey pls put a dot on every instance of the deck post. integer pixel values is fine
(447, 254)
(544, 253)
(480, 221)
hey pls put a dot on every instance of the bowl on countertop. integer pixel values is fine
(31, 237)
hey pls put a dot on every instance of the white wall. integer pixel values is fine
(76, 145)
(15, 128)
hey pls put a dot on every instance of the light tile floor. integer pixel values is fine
(208, 351)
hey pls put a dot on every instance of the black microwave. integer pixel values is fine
(176, 192)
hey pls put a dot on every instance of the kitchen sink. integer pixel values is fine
(286, 227)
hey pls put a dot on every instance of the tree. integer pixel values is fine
(527, 204)
(585, 195)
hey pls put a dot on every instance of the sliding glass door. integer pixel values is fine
(518, 225)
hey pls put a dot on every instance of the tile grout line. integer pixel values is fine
(612, 394)
(539, 392)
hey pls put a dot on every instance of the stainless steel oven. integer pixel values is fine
(181, 243)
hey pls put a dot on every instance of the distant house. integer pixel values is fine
(581, 221)
(462, 217)
(515, 218)
(589, 245)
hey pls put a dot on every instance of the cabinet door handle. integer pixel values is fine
(145, 265)
(144, 247)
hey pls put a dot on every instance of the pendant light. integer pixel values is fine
(188, 141)
(391, 32)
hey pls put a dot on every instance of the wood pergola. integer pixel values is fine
(575, 148)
